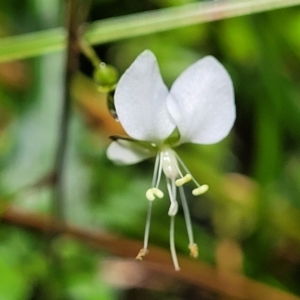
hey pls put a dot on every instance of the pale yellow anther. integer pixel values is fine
(151, 193)
(183, 180)
(158, 193)
(143, 252)
(200, 190)
(193, 250)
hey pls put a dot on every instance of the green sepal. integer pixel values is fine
(143, 144)
(110, 101)
(173, 138)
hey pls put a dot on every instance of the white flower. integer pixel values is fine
(199, 109)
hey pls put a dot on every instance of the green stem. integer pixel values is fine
(90, 53)
(99, 32)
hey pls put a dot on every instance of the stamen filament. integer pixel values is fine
(143, 252)
(187, 216)
(147, 227)
(159, 157)
(172, 244)
(155, 173)
(150, 195)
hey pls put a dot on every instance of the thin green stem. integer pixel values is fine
(90, 53)
(100, 32)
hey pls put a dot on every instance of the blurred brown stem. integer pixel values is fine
(193, 272)
(70, 69)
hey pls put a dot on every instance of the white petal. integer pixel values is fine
(201, 102)
(126, 153)
(140, 101)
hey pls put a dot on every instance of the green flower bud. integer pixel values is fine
(106, 77)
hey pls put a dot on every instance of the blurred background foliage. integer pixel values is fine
(249, 221)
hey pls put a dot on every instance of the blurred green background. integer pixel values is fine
(249, 221)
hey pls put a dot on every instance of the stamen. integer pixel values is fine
(183, 180)
(189, 173)
(193, 250)
(147, 226)
(152, 192)
(156, 168)
(172, 245)
(200, 190)
(166, 161)
(187, 216)
(150, 195)
(159, 171)
(143, 252)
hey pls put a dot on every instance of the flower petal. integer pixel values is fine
(201, 102)
(123, 152)
(140, 101)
